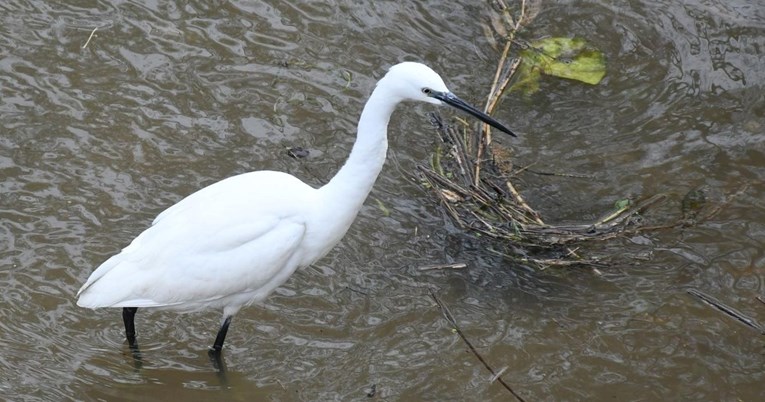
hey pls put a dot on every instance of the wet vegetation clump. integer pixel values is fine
(473, 178)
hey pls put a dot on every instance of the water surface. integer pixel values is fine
(168, 97)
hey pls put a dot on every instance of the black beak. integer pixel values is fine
(452, 100)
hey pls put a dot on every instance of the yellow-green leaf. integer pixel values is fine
(570, 58)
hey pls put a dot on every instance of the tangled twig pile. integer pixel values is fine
(480, 196)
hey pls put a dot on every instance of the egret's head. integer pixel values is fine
(415, 81)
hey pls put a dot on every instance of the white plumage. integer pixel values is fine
(232, 243)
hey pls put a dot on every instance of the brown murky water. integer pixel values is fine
(171, 96)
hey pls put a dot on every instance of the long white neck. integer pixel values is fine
(351, 185)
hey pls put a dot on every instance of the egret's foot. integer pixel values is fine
(216, 358)
(135, 353)
(213, 351)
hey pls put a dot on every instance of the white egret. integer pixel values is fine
(232, 243)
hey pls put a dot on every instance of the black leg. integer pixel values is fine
(128, 317)
(218, 345)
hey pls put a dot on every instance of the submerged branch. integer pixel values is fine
(730, 311)
(496, 376)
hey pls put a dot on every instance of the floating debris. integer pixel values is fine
(297, 152)
(90, 37)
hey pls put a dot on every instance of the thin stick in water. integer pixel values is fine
(90, 37)
(449, 317)
(456, 265)
(709, 300)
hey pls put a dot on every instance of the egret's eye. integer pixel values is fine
(427, 91)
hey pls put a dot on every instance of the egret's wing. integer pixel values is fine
(166, 274)
(253, 190)
(235, 236)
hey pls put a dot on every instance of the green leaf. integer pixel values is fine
(382, 207)
(693, 202)
(570, 58)
(622, 204)
(527, 78)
